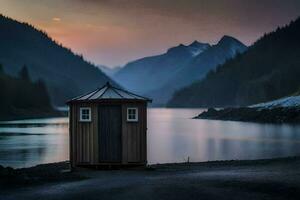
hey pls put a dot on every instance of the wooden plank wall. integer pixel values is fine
(83, 136)
(134, 135)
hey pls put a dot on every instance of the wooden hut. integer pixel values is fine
(108, 126)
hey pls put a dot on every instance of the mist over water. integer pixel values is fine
(173, 136)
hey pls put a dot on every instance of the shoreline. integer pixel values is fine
(278, 115)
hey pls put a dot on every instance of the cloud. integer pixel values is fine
(56, 19)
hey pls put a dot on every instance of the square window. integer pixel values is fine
(132, 114)
(85, 114)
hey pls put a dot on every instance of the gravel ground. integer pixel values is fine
(256, 179)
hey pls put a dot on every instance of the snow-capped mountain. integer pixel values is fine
(159, 76)
(153, 72)
(197, 48)
(268, 70)
(193, 49)
(209, 59)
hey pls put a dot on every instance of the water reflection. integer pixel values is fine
(29, 142)
(172, 137)
(176, 136)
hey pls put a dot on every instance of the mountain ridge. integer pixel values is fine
(159, 76)
(65, 73)
(148, 71)
(268, 70)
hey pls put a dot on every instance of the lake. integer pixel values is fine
(173, 136)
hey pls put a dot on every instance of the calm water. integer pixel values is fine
(172, 137)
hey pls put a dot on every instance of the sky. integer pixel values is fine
(114, 32)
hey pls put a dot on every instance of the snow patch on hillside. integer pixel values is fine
(196, 51)
(292, 101)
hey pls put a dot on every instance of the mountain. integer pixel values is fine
(198, 67)
(65, 74)
(159, 76)
(153, 72)
(217, 54)
(109, 71)
(22, 98)
(268, 70)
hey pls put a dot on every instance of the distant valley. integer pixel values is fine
(109, 71)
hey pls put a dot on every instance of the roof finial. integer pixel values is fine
(108, 84)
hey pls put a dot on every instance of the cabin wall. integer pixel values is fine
(83, 136)
(134, 144)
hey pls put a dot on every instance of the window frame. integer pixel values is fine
(81, 109)
(136, 119)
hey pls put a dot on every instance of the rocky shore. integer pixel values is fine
(45, 173)
(261, 115)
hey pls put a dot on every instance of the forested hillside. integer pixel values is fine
(22, 98)
(65, 73)
(270, 69)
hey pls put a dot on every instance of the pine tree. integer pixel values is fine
(24, 74)
(1, 69)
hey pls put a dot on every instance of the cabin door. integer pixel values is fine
(110, 124)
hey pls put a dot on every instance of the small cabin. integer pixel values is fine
(108, 127)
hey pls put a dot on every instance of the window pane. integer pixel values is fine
(132, 114)
(85, 114)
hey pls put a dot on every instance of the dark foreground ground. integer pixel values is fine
(257, 179)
